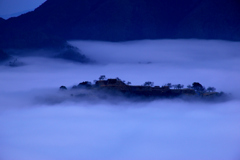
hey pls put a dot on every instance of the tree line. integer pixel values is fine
(195, 85)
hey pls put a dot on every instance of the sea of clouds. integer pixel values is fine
(38, 122)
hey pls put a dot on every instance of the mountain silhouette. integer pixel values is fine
(3, 55)
(56, 21)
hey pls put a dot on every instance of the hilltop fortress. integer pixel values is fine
(145, 90)
(116, 86)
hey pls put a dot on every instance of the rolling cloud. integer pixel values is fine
(38, 122)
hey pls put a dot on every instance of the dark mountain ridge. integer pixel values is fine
(56, 21)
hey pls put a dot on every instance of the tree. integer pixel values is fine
(169, 85)
(189, 86)
(174, 86)
(85, 83)
(128, 83)
(74, 87)
(178, 86)
(102, 77)
(211, 89)
(63, 88)
(198, 87)
(148, 83)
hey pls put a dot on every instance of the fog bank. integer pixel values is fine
(38, 123)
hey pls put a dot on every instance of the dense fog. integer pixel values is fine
(38, 122)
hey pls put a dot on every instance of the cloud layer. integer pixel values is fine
(37, 122)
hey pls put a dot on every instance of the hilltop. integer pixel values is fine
(116, 88)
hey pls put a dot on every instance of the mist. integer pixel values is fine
(38, 122)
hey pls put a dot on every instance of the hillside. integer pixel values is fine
(56, 21)
(3, 55)
(2, 20)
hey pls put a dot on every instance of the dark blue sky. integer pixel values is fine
(16, 7)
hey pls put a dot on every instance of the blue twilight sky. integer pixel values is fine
(10, 8)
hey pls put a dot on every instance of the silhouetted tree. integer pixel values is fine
(102, 77)
(169, 85)
(198, 87)
(118, 79)
(211, 89)
(128, 83)
(178, 86)
(85, 83)
(222, 93)
(148, 83)
(74, 87)
(63, 88)
(174, 86)
(189, 86)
